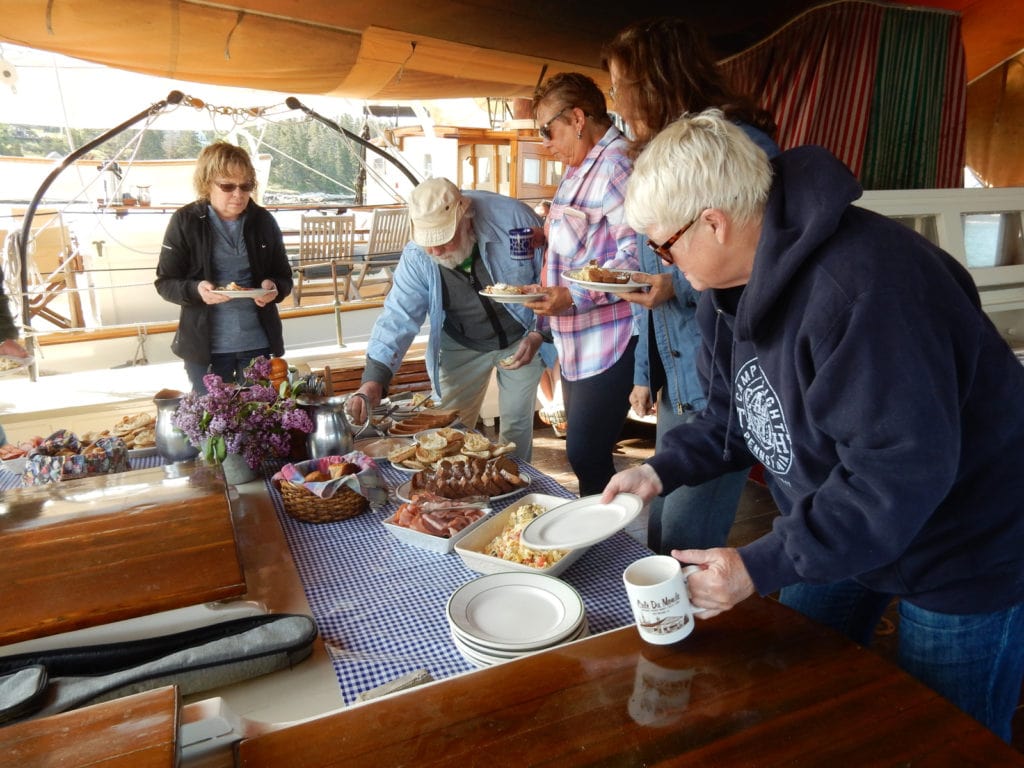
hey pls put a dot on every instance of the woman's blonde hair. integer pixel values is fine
(700, 161)
(218, 160)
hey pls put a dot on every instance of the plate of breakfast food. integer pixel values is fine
(428, 418)
(512, 294)
(433, 446)
(467, 476)
(12, 364)
(595, 278)
(235, 291)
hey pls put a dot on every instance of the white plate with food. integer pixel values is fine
(405, 489)
(141, 453)
(10, 364)
(494, 546)
(581, 523)
(379, 447)
(244, 293)
(573, 276)
(512, 294)
(515, 611)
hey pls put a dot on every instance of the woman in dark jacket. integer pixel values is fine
(224, 240)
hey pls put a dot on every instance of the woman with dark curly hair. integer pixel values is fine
(660, 69)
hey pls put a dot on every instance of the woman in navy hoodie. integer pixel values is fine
(852, 358)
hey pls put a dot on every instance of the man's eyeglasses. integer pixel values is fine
(229, 188)
(545, 130)
(664, 250)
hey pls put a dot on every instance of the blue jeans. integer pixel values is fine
(691, 517)
(227, 365)
(976, 660)
(595, 410)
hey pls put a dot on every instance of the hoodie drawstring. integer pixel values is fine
(726, 451)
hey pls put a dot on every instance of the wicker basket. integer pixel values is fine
(310, 508)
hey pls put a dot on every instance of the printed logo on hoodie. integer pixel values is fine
(761, 419)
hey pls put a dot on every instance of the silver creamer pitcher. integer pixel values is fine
(332, 434)
(171, 442)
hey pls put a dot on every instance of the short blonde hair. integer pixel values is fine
(699, 161)
(218, 160)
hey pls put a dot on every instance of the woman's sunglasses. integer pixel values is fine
(545, 130)
(229, 188)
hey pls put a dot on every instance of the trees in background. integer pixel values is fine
(308, 157)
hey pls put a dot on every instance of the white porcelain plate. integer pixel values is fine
(403, 491)
(492, 655)
(379, 447)
(512, 298)
(252, 293)
(581, 523)
(10, 365)
(572, 275)
(515, 611)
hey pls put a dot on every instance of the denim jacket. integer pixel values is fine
(677, 336)
(416, 294)
(675, 324)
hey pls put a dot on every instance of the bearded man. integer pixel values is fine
(460, 245)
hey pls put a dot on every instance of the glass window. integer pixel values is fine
(531, 170)
(554, 173)
(993, 239)
(923, 225)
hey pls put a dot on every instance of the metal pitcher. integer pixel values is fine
(332, 434)
(171, 442)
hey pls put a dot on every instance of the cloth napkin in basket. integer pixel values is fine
(368, 482)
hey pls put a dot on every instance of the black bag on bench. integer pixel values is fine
(45, 683)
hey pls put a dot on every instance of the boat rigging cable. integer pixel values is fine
(174, 97)
(294, 103)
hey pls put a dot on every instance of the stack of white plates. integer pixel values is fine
(503, 616)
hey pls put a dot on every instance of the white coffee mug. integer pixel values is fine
(656, 588)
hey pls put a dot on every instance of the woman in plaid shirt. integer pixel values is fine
(593, 331)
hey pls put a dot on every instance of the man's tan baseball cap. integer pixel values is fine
(435, 207)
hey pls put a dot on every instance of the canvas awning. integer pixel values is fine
(408, 49)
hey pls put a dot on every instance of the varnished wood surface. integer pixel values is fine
(138, 731)
(97, 550)
(757, 686)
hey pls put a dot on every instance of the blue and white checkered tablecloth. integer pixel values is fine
(380, 603)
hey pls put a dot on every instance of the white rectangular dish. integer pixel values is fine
(434, 543)
(14, 466)
(471, 547)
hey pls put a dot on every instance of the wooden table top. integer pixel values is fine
(138, 731)
(759, 685)
(86, 552)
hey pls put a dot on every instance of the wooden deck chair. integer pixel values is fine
(388, 235)
(326, 245)
(53, 261)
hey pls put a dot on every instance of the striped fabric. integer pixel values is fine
(882, 87)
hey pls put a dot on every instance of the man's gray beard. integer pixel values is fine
(452, 259)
